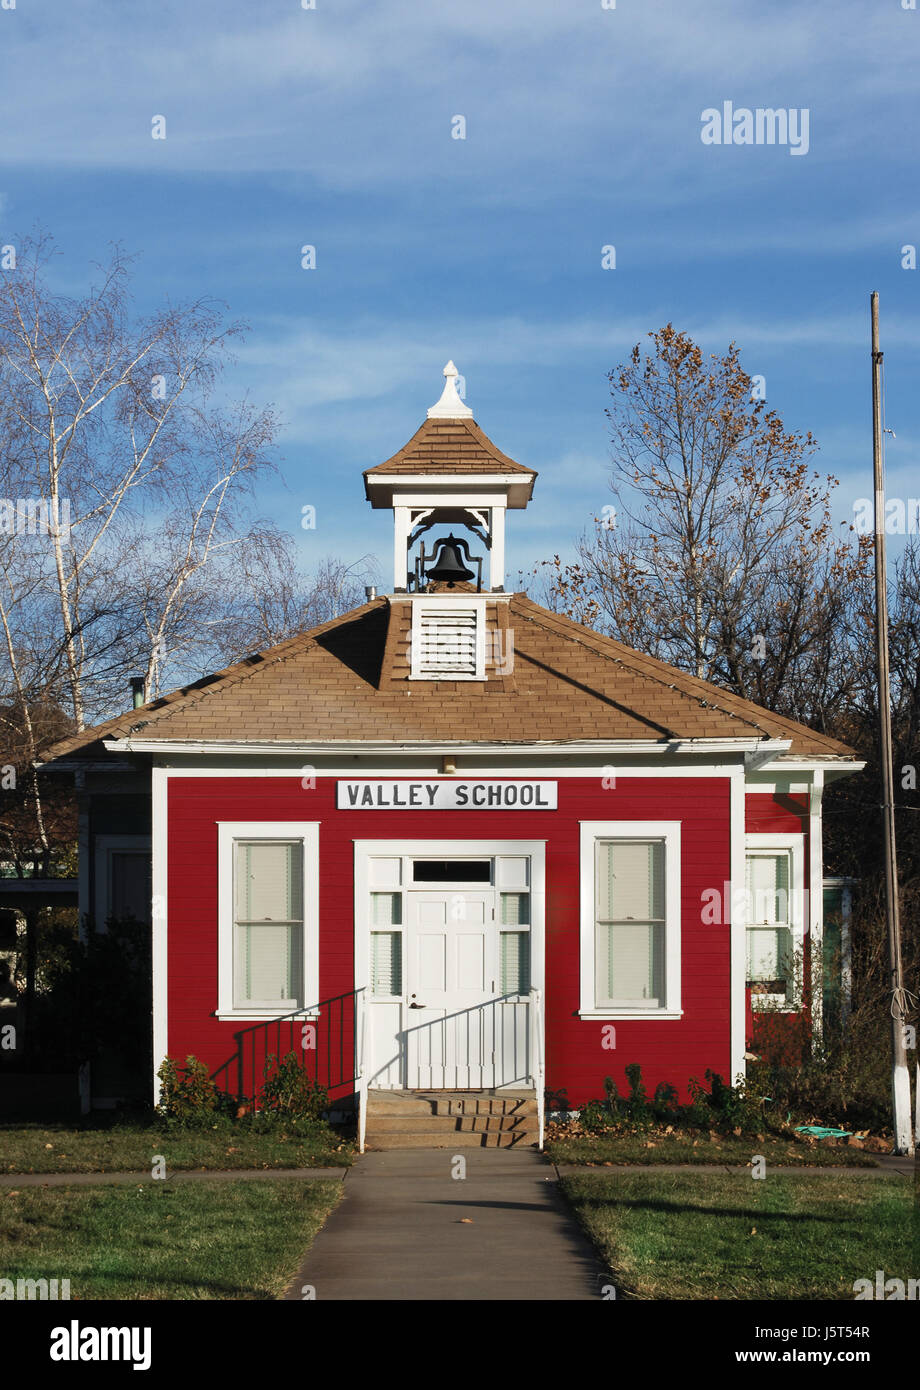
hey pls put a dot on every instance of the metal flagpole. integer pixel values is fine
(900, 1075)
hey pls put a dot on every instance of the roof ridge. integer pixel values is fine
(641, 661)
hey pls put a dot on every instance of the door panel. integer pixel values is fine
(459, 1033)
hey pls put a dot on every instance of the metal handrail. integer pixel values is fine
(329, 1054)
(537, 1044)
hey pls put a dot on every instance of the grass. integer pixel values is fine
(701, 1149)
(100, 1147)
(727, 1236)
(232, 1240)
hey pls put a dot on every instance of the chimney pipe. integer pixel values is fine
(370, 592)
(137, 691)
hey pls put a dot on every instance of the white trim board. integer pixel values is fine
(429, 769)
(654, 748)
(159, 920)
(815, 924)
(738, 929)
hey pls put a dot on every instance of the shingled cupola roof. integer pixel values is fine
(450, 473)
(448, 446)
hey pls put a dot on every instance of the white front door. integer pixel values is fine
(449, 938)
(451, 954)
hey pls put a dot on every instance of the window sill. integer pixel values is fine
(265, 1016)
(631, 1013)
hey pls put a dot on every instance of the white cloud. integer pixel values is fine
(360, 95)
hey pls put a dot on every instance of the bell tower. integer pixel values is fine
(449, 477)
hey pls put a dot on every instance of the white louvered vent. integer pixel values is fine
(446, 643)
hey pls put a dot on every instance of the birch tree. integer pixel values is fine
(115, 445)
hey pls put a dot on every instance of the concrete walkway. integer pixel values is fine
(408, 1229)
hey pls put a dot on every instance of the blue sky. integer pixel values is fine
(332, 127)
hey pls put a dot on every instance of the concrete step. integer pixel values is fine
(441, 1103)
(449, 1124)
(459, 1139)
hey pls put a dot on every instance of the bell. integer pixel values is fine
(449, 569)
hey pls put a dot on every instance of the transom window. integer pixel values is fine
(452, 871)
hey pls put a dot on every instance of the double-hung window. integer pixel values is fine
(774, 902)
(630, 919)
(268, 939)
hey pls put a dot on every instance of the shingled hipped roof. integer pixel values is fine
(347, 680)
(443, 447)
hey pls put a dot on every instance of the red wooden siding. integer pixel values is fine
(577, 1061)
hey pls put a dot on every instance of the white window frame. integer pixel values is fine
(669, 833)
(772, 844)
(444, 607)
(228, 833)
(105, 847)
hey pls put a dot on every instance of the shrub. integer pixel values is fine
(188, 1095)
(289, 1093)
(665, 1102)
(594, 1117)
(733, 1107)
(697, 1112)
(721, 1107)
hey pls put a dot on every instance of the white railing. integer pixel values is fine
(363, 1070)
(538, 1057)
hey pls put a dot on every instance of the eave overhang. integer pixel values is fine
(747, 748)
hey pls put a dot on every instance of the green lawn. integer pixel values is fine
(729, 1236)
(681, 1148)
(101, 1148)
(233, 1240)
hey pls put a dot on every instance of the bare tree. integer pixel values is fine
(113, 443)
(719, 555)
(272, 601)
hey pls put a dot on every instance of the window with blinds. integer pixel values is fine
(514, 946)
(386, 944)
(515, 962)
(630, 923)
(769, 924)
(268, 924)
(447, 642)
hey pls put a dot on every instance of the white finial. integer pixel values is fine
(450, 406)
